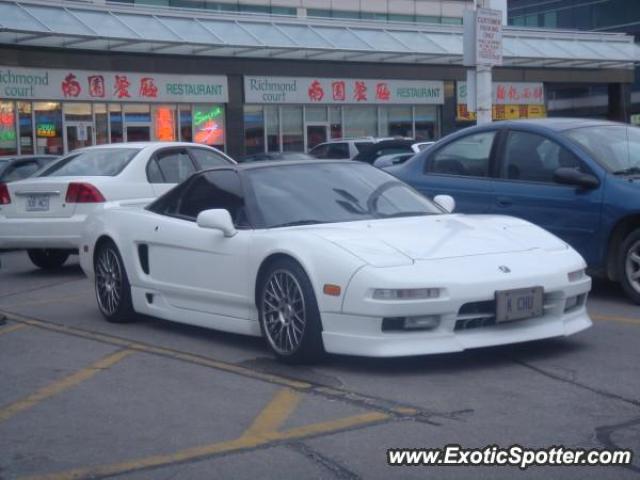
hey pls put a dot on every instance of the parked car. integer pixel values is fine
(385, 147)
(332, 256)
(277, 156)
(579, 179)
(392, 159)
(17, 167)
(45, 213)
(342, 148)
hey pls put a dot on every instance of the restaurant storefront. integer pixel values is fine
(52, 111)
(297, 113)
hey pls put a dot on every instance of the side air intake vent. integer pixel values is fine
(143, 254)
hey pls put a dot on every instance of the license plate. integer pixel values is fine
(37, 203)
(519, 304)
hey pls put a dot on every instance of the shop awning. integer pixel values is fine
(190, 32)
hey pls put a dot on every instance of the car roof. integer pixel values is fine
(558, 124)
(284, 163)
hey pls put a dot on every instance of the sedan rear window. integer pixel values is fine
(105, 162)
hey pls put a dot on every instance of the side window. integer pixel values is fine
(534, 158)
(216, 189)
(338, 151)
(362, 146)
(468, 156)
(174, 166)
(208, 158)
(20, 170)
(320, 151)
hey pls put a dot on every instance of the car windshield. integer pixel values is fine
(615, 147)
(334, 192)
(107, 162)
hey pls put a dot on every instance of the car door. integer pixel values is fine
(167, 167)
(526, 189)
(199, 269)
(461, 168)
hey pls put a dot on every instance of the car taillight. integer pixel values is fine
(5, 198)
(79, 192)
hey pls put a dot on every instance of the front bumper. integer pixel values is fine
(357, 329)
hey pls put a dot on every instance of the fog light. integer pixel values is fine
(405, 293)
(421, 323)
(577, 275)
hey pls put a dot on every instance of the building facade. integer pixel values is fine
(601, 16)
(76, 74)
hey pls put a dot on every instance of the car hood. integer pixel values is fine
(402, 241)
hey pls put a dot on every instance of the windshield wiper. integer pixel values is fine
(628, 171)
(297, 223)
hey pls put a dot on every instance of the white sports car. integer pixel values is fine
(45, 213)
(332, 256)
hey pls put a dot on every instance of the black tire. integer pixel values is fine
(111, 283)
(293, 338)
(629, 265)
(48, 259)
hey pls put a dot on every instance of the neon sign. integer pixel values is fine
(208, 125)
(165, 124)
(47, 130)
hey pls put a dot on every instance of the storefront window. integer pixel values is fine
(164, 123)
(273, 128)
(335, 121)
(292, 129)
(137, 118)
(48, 116)
(426, 117)
(253, 129)
(186, 132)
(315, 114)
(115, 123)
(25, 121)
(102, 132)
(396, 121)
(208, 125)
(360, 121)
(77, 112)
(8, 144)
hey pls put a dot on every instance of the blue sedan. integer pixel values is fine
(579, 179)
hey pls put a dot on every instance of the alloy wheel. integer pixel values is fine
(108, 281)
(283, 311)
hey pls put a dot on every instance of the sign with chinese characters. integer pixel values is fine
(54, 84)
(208, 124)
(342, 91)
(511, 101)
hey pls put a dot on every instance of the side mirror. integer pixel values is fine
(571, 176)
(217, 219)
(446, 202)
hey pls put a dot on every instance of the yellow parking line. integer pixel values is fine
(274, 414)
(12, 328)
(608, 318)
(262, 431)
(62, 385)
(42, 301)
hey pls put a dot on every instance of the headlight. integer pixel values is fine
(405, 293)
(577, 275)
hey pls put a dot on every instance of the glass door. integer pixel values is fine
(138, 133)
(78, 135)
(316, 133)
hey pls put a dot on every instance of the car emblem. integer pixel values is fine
(504, 269)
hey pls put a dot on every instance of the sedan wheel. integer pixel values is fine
(48, 259)
(289, 315)
(629, 266)
(113, 291)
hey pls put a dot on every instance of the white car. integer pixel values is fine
(45, 213)
(332, 256)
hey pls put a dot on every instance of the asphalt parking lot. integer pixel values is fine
(82, 398)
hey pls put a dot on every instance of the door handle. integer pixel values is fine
(504, 202)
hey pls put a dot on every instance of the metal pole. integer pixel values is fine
(484, 95)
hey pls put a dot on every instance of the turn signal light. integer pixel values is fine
(81, 192)
(333, 290)
(5, 198)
